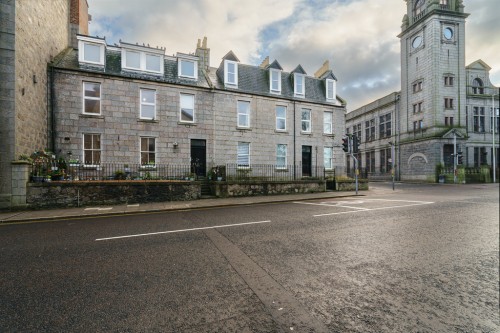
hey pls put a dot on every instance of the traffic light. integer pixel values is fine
(345, 144)
(460, 158)
(355, 144)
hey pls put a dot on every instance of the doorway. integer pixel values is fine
(306, 161)
(199, 157)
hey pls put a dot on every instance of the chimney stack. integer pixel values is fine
(78, 20)
(203, 52)
(265, 62)
(323, 69)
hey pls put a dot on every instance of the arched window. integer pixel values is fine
(419, 7)
(477, 86)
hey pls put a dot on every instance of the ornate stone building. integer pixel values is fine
(441, 100)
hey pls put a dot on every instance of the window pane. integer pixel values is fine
(187, 68)
(96, 157)
(147, 111)
(92, 106)
(92, 52)
(92, 89)
(243, 157)
(275, 80)
(144, 158)
(96, 141)
(133, 59)
(153, 62)
(147, 96)
(329, 93)
(187, 108)
(87, 141)
(280, 111)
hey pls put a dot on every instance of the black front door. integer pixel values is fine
(306, 161)
(199, 157)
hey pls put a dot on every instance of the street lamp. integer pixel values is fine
(392, 162)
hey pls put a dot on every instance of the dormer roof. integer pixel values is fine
(328, 75)
(275, 65)
(299, 70)
(231, 57)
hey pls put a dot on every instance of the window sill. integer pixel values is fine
(154, 121)
(186, 123)
(306, 133)
(90, 115)
(244, 129)
(331, 135)
(281, 131)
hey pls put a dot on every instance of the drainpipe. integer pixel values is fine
(50, 120)
(294, 144)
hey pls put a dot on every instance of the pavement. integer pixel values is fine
(100, 211)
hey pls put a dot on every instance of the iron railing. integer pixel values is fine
(269, 172)
(50, 171)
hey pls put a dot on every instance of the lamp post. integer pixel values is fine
(392, 163)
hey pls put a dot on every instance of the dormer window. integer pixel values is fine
(275, 81)
(187, 66)
(91, 50)
(142, 58)
(331, 90)
(299, 85)
(230, 73)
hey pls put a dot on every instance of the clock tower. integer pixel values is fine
(433, 94)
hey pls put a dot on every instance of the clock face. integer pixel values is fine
(417, 41)
(448, 33)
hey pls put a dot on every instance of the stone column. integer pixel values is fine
(20, 178)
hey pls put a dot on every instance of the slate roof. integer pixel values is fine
(251, 79)
(69, 60)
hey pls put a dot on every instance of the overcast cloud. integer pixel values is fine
(358, 37)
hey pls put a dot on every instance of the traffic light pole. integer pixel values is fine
(353, 147)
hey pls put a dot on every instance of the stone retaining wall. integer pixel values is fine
(230, 189)
(74, 194)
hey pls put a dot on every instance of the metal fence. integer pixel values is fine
(268, 172)
(51, 171)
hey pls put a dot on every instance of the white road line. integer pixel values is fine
(369, 209)
(182, 230)
(315, 204)
(135, 205)
(360, 208)
(99, 208)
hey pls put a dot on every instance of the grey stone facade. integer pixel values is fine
(437, 97)
(31, 34)
(121, 128)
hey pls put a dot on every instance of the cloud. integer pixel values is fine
(358, 37)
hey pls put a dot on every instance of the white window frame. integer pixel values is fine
(272, 88)
(282, 118)
(245, 114)
(243, 154)
(495, 119)
(327, 130)
(91, 98)
(189, 61)
(331, 93)
(296, 91)
(147, 103)
(328, 160)
(142, 60)
(83, 42)
(306, 121)
(226, 73)
(91, 150)
(278, 156)
(148, 152)
(181, 107)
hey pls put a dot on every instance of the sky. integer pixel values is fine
(358, 37)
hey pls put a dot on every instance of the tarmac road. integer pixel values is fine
(420, 259)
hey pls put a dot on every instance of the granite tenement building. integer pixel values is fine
(32, 33)
(444, 107)
(134, 104)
